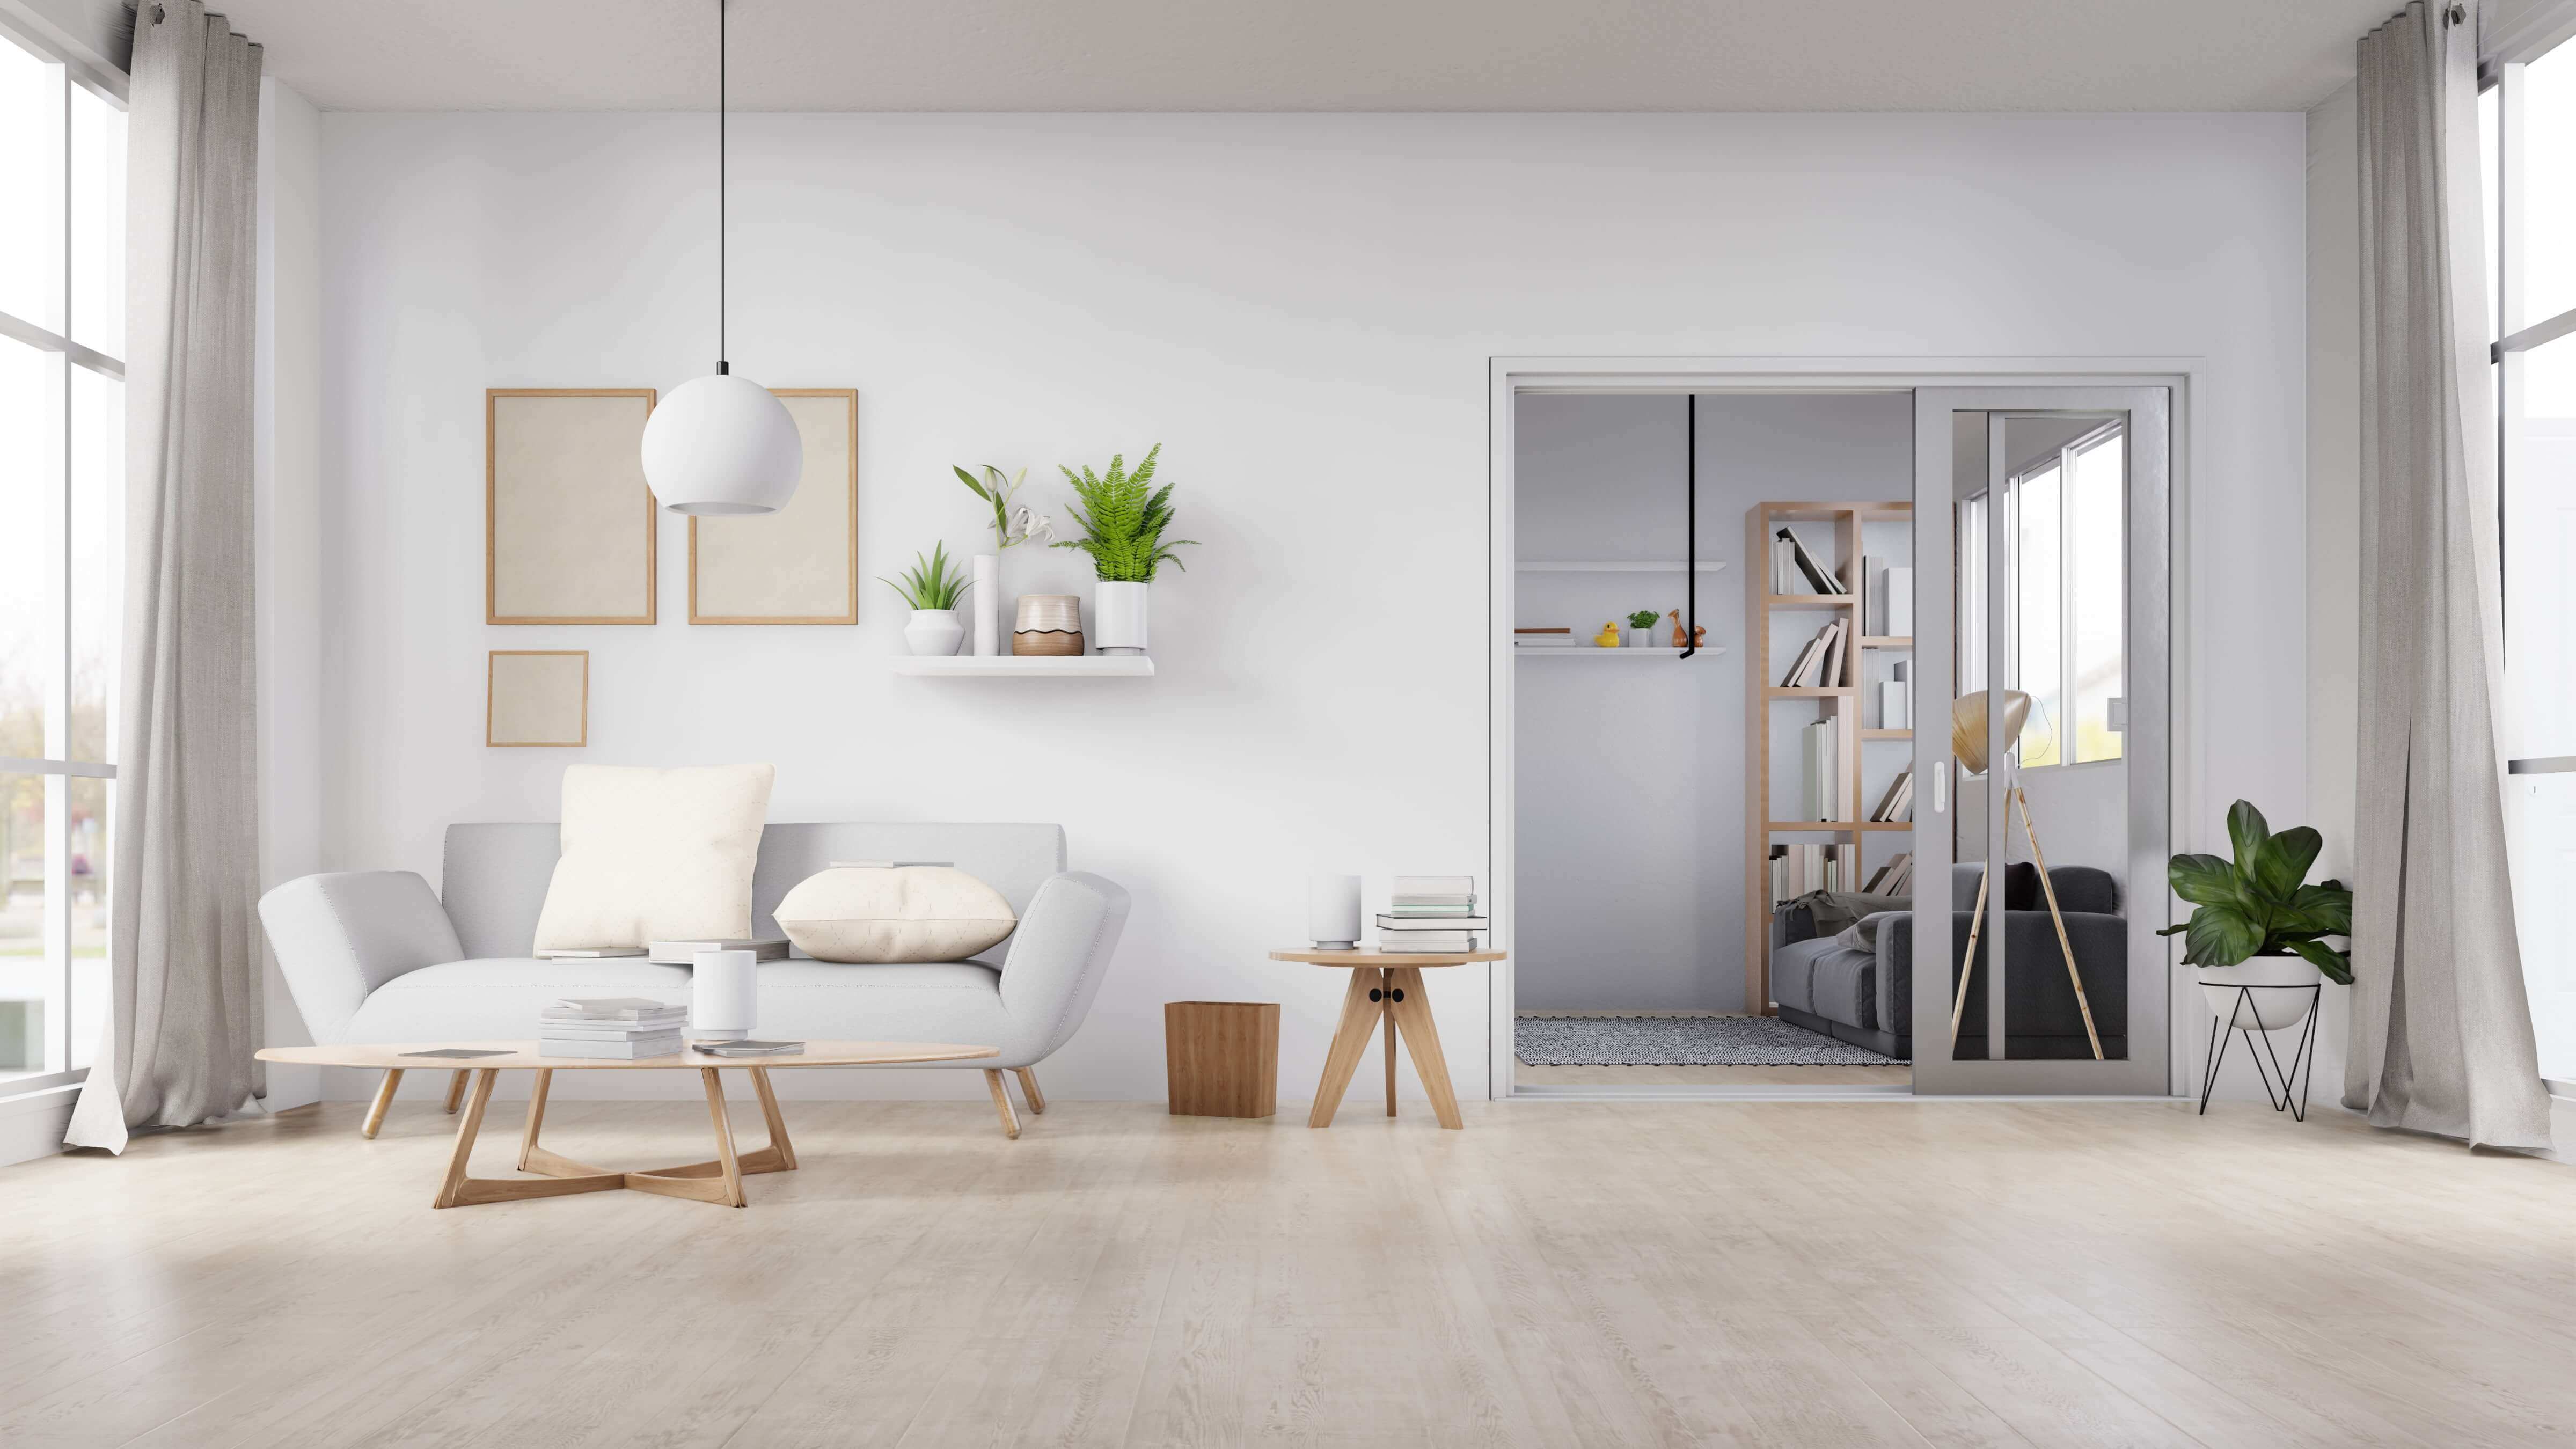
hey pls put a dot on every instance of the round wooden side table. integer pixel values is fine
(1386, 986)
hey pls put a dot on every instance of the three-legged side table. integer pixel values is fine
(1386, 989)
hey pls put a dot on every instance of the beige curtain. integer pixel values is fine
(2441, 1033)
(185, 953)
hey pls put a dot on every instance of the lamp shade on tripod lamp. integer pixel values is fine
(1969, 717)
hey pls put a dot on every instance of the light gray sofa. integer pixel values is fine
(376, 957)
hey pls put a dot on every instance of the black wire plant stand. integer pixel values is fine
(2303, 1059)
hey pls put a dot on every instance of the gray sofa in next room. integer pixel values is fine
(1866, 996)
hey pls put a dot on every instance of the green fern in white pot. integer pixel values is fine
(1123, 520)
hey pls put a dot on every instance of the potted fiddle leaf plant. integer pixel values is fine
(1123, 519)
(932, 587)
(1641, 628)
(2258, 924)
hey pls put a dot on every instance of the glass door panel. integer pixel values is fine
(2041, 620)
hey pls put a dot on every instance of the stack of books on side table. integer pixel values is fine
(1435, 914)
(613, 1028)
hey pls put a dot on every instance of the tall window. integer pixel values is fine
(2070, 627)
(62, 499)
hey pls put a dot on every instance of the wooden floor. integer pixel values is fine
(1558, 1274)
(1887, 1076)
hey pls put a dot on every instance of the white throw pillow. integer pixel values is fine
(654, 854)
(877, 915)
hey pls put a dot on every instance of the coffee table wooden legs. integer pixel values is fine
(456, 1089)
(384, 1099)
(719, 1181)
(1391, 997)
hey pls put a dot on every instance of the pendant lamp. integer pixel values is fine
(722, 444)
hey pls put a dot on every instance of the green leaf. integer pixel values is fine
(2319, 910)
(2246, 831)
(969, 480)
(2282, 861)
(2204, 880)
(2220, 936)
(2337, 965)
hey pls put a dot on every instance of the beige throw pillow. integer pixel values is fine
(654, 854)
(877, 915)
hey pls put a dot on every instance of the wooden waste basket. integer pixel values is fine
(1222, 1057)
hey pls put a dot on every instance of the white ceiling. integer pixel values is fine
(1315, 55)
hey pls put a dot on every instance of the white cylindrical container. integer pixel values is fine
(1118, 617)
(1333, 912)
(988, 603)
(1642, 638)
(724, 995)
(933, 631)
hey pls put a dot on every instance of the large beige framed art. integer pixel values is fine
(799, 565)
(567, 517)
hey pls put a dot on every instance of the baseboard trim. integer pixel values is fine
(32, 1124)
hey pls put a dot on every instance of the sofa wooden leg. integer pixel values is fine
(1002, 1103)
(1029, 1089)
(384, 1099)
(456, 1090)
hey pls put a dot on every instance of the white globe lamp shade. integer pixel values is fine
(722, 445)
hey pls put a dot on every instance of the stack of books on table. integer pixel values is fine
(1431, 913)
(613, 1028)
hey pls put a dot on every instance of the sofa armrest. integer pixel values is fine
(1058, 956)
(1895, 984)
(341, 935)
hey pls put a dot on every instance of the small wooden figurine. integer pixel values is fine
(1698, 637)
(1608, 638)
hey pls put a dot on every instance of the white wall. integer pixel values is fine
(1630, 775)
(286, 467)
(1301, 308)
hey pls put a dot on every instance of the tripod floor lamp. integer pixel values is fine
(1969, 719)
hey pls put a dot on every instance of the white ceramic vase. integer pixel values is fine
(2282, 996)
(1118, 617)
(1642, 638)
(933, 631)
(724, 995)
(988, 603)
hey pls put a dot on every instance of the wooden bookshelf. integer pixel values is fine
(1844, 701)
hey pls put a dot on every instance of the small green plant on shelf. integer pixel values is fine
(1643, 619)
(1123, 519)
(2259, 904)
(1011, 526)
(932, 583)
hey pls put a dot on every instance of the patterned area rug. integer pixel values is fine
(1681, 1041)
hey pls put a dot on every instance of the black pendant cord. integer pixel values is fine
(723, 152)
(1690, 525)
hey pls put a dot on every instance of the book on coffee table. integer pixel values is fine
(751, 1048)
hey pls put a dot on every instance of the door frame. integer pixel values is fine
(1508, 377)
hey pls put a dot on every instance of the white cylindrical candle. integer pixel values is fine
(724, 995)
(1333, 912)
(988, 604)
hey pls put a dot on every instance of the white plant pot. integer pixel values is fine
(2282, 997)
(1643, 638)
(1118, 617)
(988, 604)
(933, 631)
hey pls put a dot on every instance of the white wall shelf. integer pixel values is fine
(1027, 666)
(1676, 566)
(1594, 651)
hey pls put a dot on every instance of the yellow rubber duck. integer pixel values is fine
(1608, 638)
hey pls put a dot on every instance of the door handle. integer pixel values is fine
(1941, 791)
(2544, 765)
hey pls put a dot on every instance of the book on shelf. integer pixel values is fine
(1898, 802)
(1797, 870)
(1784, 567)
(1837, 654)
(1895, 698)
(1895, 878)
(1816, 664)
(1463, 921)
(1819, 751)
(1818, 578)
(1445, 943)
(1899, 609)
(762, 948)
(660, 1044)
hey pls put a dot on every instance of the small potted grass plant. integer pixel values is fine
(932, 586)
(1123, 518)
(1641, 628)
(2260, 925)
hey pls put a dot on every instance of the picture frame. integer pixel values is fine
(569, 532)
(536, 699)
(799, 565)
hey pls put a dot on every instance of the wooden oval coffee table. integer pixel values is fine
(719, 1181)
